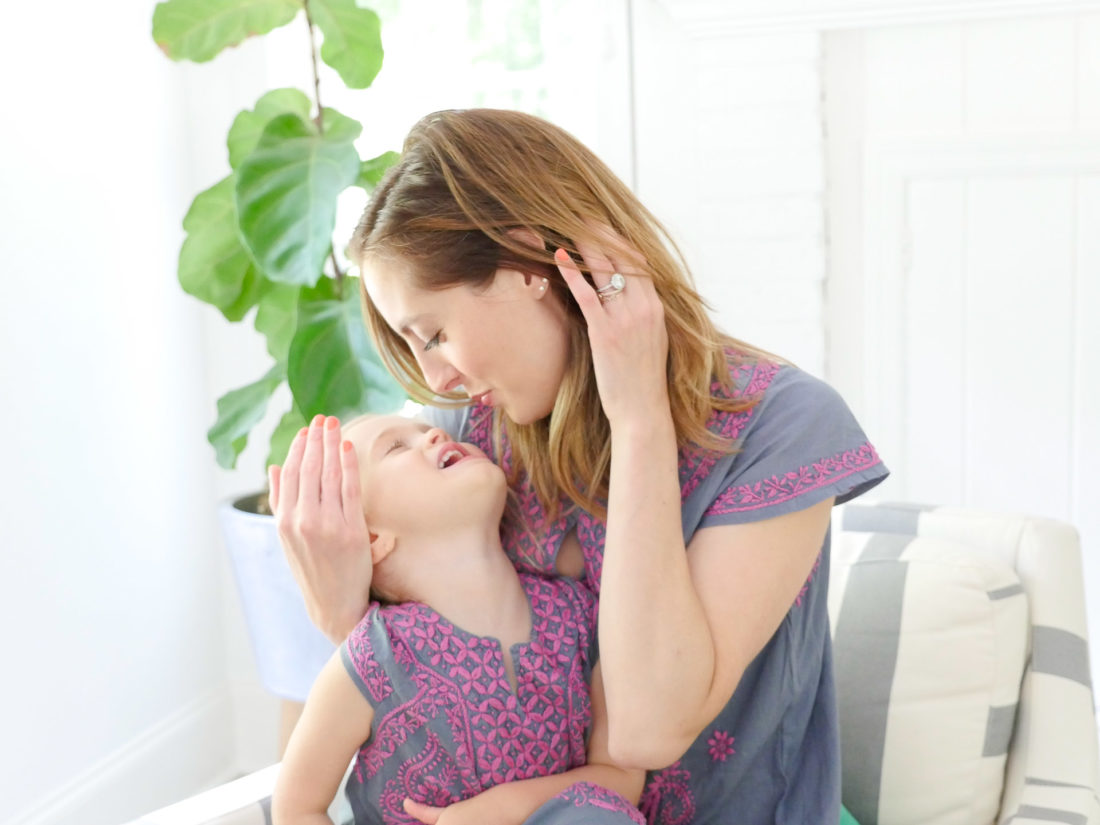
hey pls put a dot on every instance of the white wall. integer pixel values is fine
(730, 155)
(112, 576)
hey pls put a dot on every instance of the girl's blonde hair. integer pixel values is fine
(444, 211)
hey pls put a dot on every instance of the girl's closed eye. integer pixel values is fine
(433, 342)
(396, 445)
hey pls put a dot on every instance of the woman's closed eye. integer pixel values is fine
(433, 342)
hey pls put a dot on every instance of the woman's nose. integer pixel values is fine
(440, 375)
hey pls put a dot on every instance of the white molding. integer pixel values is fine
(890, 168)
(720, 18)
(192, 747)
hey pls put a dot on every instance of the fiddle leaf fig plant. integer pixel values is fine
(260, 240)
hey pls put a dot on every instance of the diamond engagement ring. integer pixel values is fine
(616, 285)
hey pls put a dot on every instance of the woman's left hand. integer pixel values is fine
(626, 330)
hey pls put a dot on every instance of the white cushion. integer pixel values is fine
(930, 642)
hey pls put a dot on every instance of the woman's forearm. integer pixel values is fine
(655, 643)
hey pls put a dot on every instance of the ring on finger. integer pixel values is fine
(613, 287)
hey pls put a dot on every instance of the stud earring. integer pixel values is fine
(542, 287)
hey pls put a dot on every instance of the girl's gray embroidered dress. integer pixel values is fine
(447, 722)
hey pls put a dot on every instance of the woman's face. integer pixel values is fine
(506, 346)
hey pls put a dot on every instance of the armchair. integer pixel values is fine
(962, 670)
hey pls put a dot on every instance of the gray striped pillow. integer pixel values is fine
(930, 645)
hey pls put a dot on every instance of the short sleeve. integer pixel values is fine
(364, 653)
(800, 445)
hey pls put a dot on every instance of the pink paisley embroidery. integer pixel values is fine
(720, 746)
(426, 778)
(500, 735)
(589, 795)
(780, 488)
(667, 797)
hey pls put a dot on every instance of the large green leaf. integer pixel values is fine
(353, 40)
(277, 317)
(285, 430)
(333, 369)
(371, 171)
(247, 127)
(238, 412)
(339, 127)
(199, 29)
(214, 266)
(286, 197)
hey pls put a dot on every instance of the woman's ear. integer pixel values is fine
(381, 545)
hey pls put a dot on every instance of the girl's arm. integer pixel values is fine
(336, 721)
(677, 626)
(513, 802)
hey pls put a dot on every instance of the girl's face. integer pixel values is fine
(506, 346)
(415, 479)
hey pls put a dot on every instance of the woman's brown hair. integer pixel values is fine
(444, 211)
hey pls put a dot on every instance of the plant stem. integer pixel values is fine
(319, 120)
(316, 77)
(338, 272)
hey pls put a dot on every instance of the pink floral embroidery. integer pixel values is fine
(667, 797)
(720, 746)
(757, 377)
(588, 795)
(592, 535)
(459, 684)
(535, 547)
(362, 656)
(780, 488)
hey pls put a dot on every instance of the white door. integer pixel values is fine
(964, 274)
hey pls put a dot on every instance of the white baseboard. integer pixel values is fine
(192, 749)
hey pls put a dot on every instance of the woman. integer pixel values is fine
(685, 476)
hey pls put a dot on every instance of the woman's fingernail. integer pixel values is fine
(302, 432)
(347, 446)
(332, 423)
(317, 419)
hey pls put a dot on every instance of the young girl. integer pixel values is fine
(684, 475)
(472, 677)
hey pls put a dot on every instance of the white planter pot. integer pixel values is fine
(290, 650)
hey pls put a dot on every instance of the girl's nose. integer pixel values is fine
(436, 435)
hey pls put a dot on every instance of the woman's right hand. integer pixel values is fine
(319, 515)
